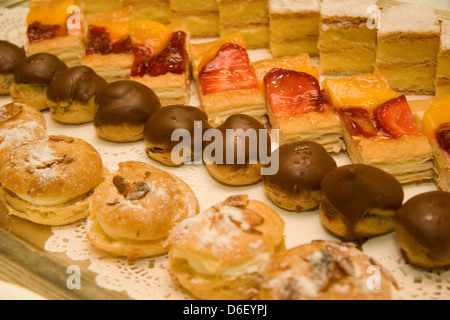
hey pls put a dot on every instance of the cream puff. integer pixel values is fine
(10, 56)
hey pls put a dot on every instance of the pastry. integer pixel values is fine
(51, 181)
(347, 43)
(32, 77)
(53, 28)
(423, 229)
(294, 27)
(135, 208)
(297, 184)
(225, 81)
(442, 82)
(325, 270)
(162, 142)
(236, 158)
(379, 128)
(161, 61)
(20, 124)
(359, 202)
(123, 109)
(220, 253)
(155, 10)
(108, 48)
(407, 49)
(99, 6)
(10, 56)
(70, 95)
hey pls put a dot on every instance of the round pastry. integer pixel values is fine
(423, 229)
(20, 124)
(10, 56)
(325, 270)
(161, 125)
(297, 184)
(70, 95)
(123, 109)
(219, 254)
(359, 202)
(133, 210)
(51, 181)
(243, 167)
(32, 78)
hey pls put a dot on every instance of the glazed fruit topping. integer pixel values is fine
(443, 136)
(358, 121)
(291, 92)
(228, 70)
(37, 32)
(99, 41)
(395, 118)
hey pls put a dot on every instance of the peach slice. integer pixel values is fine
(49, 13)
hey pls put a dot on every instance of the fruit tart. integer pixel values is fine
(54, 26)
(108, 48)
(379, 127)
(161, 61)
(225, 81)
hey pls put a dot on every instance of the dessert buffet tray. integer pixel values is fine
(60, 263)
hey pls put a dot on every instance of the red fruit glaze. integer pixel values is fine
(358, 122)
(443, 137)
(37, 32)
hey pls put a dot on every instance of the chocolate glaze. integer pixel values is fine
(79, 83)
(39, 68)
(123, 102)
(302, 167)
(10, 56)
(426, 217)
(160, 126)
(351, 191)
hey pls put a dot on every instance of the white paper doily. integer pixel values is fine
(150, 278)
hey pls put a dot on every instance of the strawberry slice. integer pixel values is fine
(229, 70)
(443, 136)
(358, 122)
(291, 92)
(395, 118)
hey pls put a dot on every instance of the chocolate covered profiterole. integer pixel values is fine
(70, 95)
(297, 185)
(123, 109)
(423, 229)
(10, 56)
(359, 201)
(32, 77)
(161, 125)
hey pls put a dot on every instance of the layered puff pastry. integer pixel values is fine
(220, 253)
(295, 102)
(225, 81)
(379, 127)
(135, 208)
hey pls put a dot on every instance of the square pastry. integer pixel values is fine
(225, 81)
(108, 47)
(155, 10)
(296, 104)
(51, 29)
(161, 61)
(443, 65)
(379, 127)
(99, 6)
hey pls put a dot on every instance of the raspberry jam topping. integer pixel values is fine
(443, 137)
(37, 32)
(358, 121)
(99, 41)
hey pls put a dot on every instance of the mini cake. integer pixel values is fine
(51, 181)
(408, 46)
(225, 81)
(297, 184)
(50, 31)
(379, 128)
(220, 253)
(161, 61)
(123, 109)
(423, 229)
(70, 95)
(201, 17)
(133, 211)
(347, 45)
(324, 270)
(443, 64)
(155, 10)
(359, 202)
(10, 56)
(99, 6)
(32, 77)
(160, 128)
(243, 140)
(294, 27)
(108, 48)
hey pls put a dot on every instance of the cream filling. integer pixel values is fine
(56, 201)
